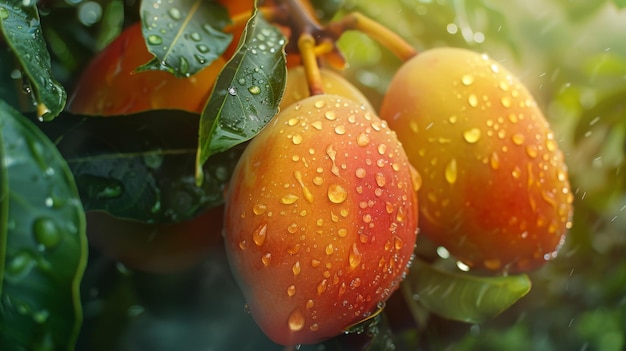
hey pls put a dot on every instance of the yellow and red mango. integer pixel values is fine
(297, 88)
(110, 86)
(320, 219)
(495, 187)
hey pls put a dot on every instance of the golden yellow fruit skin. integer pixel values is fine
(297, 89)
(495, 189)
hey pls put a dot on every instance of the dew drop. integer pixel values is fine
(21, 264)
(400, 214)
(340, 130)
(342, 232)
(232, 91)
(296, 269)
(318, 180)
(355, 257)
(259, 235)
(451, 171)
(472, 135)
(467, 80)
(505, 101)
(382, 148)
(291, 290)
(317, 125)
(289, 199)
(321, 287)
(254, 90)
(531, 151)
(398, 243)
(259, 209)
(174, 13)
(292, 228)
(550, 145)
(494, 161)
(296, 320)
(360, 173)
(329, 249)
(203, 48)
(319, 103)
(518, 139)
(380, 179)
(337, 193)
(296, 139)
(363, 139)
(266, 259)
(389, 207)
(472, 100)
(516, 173)
(47, 232)
(154, 39)
(195, 36)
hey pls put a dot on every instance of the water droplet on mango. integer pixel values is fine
(296, 320)
(472, 135)
(337, 193)
(259, 235)
(451, 171)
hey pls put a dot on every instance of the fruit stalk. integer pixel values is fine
(381, 34)
(306, 45)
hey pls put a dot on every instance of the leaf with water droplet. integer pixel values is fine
(141, 166)
(22, 31)
(178, 32)
(462, 296)
(233, 116)
(43, 252)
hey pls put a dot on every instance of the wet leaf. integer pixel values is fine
(247, 92)
(42, 241)
(185, 36)
(462, 296)
(22, 30)
(141, 166)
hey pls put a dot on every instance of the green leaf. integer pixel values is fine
(247, 92)
(22, 30)
(141, 166)
(43, 242)
(185, 35)
(462, 296)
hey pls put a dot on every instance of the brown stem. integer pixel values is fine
(306, 46)
(383, 35)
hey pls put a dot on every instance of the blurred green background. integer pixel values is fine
(572, 57)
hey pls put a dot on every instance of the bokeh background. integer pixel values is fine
(572, 57)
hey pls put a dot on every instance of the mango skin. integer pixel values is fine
(495, 187)
(320, 219)
(297, 89)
